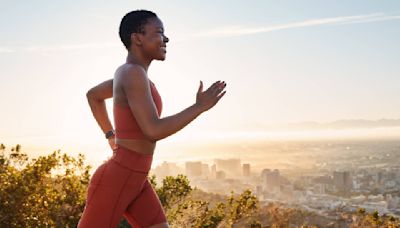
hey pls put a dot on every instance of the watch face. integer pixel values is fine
(109, 134)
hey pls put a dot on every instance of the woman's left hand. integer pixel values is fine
(111, 141)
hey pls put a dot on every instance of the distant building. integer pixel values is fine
(163, 170)
(264, 173)
(213, 171)
(319, 189)
(205, 170)
(220, 175)
(246, 170)
(193, 169)
(231, 167)
(380, 177)
(167, 169)
(325, 179)
(271, 180)
(392, 202)
(287, 191)
(342, 181)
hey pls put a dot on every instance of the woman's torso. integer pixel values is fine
(141, 144)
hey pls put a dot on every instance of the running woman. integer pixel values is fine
(120, 186)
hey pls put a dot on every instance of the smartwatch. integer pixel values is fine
(109, 134)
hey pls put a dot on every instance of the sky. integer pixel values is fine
(283, 61)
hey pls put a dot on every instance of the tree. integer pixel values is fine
(183, 209)
(173, 190)
(47, 191)
(242, 206)
(364, 219)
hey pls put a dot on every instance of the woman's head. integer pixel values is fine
(143, 30)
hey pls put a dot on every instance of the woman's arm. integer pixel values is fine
(96, 97)
(136, 87)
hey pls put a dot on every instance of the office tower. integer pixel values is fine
(342, 180)
(193, 169)
(231, 167)
(205, 170)
(246, 170)
(271, 179)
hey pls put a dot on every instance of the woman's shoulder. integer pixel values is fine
(131, 71)
(132, 75)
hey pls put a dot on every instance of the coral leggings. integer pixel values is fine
(119, 187)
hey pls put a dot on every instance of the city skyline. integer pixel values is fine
(351, 176)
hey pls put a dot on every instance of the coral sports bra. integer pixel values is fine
(126, 126)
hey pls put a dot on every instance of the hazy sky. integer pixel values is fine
(283, 61)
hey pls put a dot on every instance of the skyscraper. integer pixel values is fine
(342, 180)
(231, 167)
(193, 169)
(270, 179)
(246, 170)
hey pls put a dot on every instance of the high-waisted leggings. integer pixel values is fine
(119, 187)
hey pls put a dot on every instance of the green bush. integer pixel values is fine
(47, 191)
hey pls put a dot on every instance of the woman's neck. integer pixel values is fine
(139, 60)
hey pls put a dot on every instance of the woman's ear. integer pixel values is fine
(136, 39)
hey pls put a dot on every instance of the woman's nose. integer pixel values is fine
(166, 39)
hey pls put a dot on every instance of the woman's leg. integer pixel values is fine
(161, 225)
(146, 210)
(110, 191)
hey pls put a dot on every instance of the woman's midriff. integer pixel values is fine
(138, 145)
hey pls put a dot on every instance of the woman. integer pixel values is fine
(120, 187)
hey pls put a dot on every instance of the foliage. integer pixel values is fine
(47, 191)
(374, 219)
(173, 190)
(51, 190)
(183, 209)
(242, 206)
(281, 216)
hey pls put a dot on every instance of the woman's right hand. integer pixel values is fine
(207, 99)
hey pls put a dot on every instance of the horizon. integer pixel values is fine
(255, 150)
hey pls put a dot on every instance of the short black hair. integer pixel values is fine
(133, 22)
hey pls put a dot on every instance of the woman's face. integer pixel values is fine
(154, 42)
